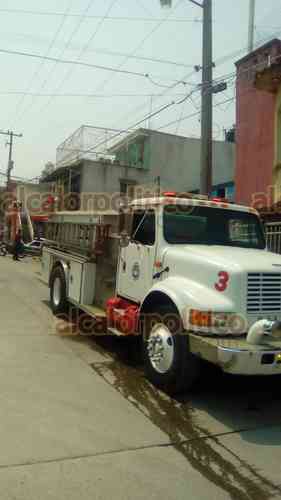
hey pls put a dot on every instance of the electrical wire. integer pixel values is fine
(154, 29)
(149, 116)
(41, 64)
(70, 61)
(192, 115)
(141, 58)
(91, 96)
(167, 86)
(119, 67)
(218, 62)
(73, 33)
(150, 19)
(82, 51)
(177, 121)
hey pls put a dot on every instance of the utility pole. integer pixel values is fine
(207, 91)
(207, 101)
(10, 167)
(252, 11)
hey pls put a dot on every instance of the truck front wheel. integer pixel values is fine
(169, 365)
(58, 296)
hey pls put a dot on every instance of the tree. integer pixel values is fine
(48, 169)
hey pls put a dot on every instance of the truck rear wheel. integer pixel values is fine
(169, 365)
(58, 295)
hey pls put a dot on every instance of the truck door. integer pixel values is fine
(136, 261)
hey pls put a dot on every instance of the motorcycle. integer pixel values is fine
(3, 250)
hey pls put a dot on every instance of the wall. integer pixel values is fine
(277, 148)
(176, 160)
(255, 127)
(100, 177)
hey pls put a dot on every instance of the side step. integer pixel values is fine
(117, 333)
(96, 312)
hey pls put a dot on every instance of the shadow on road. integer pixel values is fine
(237, 403)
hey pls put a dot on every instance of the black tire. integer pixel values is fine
(184, 369)
(59, 304)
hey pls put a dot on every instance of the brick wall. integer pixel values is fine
(255, 120)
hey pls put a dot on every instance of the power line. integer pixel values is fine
(84, 49)
(41, 64)
(218, 104)
(40, 40)
(147, 117)
(73, 33)
(109, 18)
(163, 108)
(218, 62)
(141, 58)
(119, 67)
(192, 115)
(154, 29)
(69, 61)
(90, 96)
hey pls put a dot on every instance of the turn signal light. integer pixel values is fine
(200, 318)
(222, 322)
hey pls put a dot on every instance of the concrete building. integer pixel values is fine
(176, 160)
(258, 126)
(143, 158)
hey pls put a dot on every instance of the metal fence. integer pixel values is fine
(88, 142)
(273, 236)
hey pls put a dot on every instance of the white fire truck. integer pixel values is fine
(191, 275)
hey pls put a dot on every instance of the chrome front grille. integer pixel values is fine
(264, 293)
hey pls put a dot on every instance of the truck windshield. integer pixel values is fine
(212, 226)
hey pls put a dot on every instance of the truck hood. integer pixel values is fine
(196, 272)
(227, 258)
(201, 266)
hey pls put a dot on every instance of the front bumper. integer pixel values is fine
(236, 356)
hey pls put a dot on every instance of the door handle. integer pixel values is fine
(158, 275)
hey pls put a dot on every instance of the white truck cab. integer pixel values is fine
(194, 280)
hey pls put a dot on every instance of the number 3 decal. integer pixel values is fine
(223, 281)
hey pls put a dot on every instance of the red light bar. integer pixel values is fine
(219, 200)
(170, 194)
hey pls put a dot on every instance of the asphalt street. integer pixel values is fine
(80, 421)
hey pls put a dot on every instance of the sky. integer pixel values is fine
(66, 96)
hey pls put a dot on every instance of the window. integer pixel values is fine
(243, 231)
(143, 228)
(127, 188)
(212, 226)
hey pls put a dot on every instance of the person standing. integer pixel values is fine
(17, 246)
